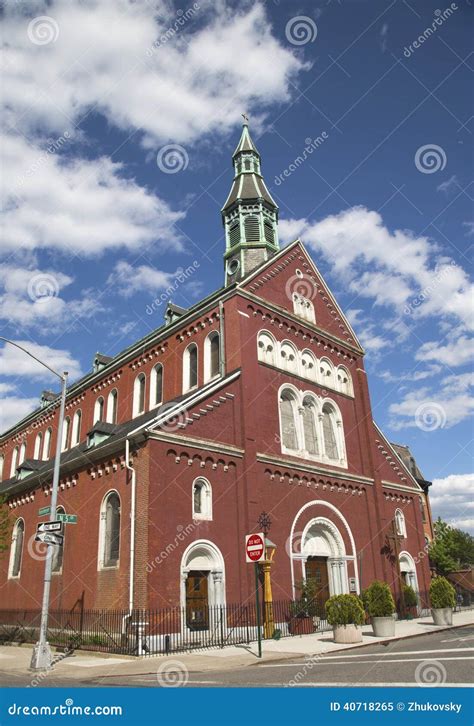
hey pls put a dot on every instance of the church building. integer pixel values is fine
(255, 400)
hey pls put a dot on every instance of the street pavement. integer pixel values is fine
(438, 658)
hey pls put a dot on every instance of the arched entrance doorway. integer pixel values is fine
(408, 570)
(202, 583)
(324, 558)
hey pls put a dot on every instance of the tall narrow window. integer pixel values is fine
(99, 410)
(422, 509)
(211, 356)
(252, 229)
(38, 445)
(16, 551)
(2, 462)
(110, 531)
(112, 400)
(22, 455)
(47, 444)
(58, 552)
(266, 348)
(76, 428)
(289, 437)
(139, 395)
(66, 431)
(156, 385)
(400, 523)
(309, 427)
(289, 359)
(190, 367)
(202, 499)
(330, 441)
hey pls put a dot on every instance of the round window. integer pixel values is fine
(233, 266)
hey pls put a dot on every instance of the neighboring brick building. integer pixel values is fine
(254, 399)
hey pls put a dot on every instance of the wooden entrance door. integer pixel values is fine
(197, 600)
(316, 568)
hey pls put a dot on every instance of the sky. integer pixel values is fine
(119, 122)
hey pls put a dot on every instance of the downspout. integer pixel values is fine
(132, 536)
(221, 340)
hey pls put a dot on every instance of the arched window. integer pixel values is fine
(112, 401)
(99, 410)
(309, 427)
(156, 385)
(22, 455)
(76, 428)
(303, 307)
(422, 509)
(16, 550)
(202, 499)
(326, 372)
(329, 433)
(288, 357)
(38, 444)
(47, 443)
(266, 348)
(308, 365)
(400, 523)
(14, 463)
(288, 426)
(66, 431)
(344, 382)
(190, 367)
(58, 552)
(109, 534)
(139, 395)
(211, 356)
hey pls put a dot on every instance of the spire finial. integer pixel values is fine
(245, 118)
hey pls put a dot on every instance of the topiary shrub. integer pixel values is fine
(344, 610)
(379, 601)
(442, 593)
(411, 600)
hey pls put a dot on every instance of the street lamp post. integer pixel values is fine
(41, 658)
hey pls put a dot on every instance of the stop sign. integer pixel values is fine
(255, 547)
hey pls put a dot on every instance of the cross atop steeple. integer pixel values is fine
(245, 118)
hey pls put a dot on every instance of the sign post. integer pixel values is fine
(255, 552)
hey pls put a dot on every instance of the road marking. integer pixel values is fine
(461, 640)
(388, 660)
(334, 684)
(367, 655)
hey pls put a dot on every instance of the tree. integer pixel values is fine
(451, 549)
(4, 526)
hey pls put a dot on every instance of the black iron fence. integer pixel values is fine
(170, 630)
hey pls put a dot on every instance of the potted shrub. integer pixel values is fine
(304, 610)
(443, 599)
(380, 606)
(346, 614)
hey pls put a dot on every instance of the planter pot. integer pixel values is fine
(442, 616)
(383, 627)
(347, 634)
(301, 626)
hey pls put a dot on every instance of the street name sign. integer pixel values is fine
(43, 511)
(255, 547)
(67, 518)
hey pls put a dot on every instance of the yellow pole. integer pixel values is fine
(269, 623)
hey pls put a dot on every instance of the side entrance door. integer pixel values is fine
(316, 568)
(197, 602)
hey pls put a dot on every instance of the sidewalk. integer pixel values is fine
(16, 660)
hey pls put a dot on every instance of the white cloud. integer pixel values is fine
(14, 362)
(127, 280)
(452, 499)
(456, 353)
(449, 185)
(14, 408)
(430, 409)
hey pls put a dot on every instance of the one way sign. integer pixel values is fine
(54, 526)
(50, 538)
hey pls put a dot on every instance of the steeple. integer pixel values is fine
(250, 215)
